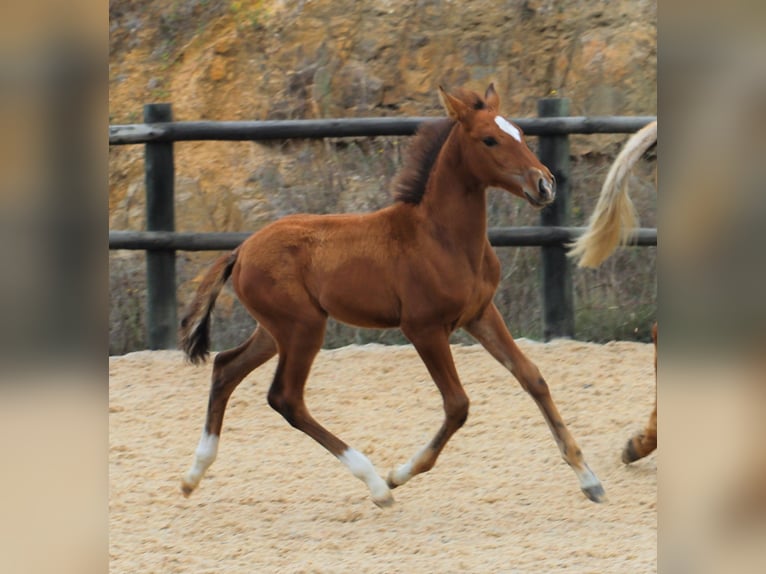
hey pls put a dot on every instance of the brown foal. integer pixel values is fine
(423, 264)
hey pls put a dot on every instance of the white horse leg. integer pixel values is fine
(361, 467)
(207, 449)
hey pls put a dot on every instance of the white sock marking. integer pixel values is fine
(587, 478)
(207, 449)
(404, 472)
(508, 127)
(361, 467)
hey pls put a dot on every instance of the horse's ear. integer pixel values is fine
(454, 107)
(491, 98)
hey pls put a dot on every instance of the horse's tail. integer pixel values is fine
(614, 217)
(194, 333)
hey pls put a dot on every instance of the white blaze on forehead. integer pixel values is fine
(508, 128)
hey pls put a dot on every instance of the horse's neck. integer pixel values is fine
(455, 202)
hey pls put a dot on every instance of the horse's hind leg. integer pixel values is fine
(229, 368)
(491, 332)
(298, 346)
(643, 443)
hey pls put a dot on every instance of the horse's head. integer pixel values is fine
(494, 148)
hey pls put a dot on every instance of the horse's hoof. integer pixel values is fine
(595, 493)
(186, 489)
(384, 502)
(629, 453)
(390, 480)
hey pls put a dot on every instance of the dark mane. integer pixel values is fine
(410, 183)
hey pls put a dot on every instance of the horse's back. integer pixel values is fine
(322, 241)
(342, 265)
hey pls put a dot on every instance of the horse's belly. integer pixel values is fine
(359, 293)
(364, 316)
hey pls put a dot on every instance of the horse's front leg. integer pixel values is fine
(644, 443)
(433, 347)
(489, 329)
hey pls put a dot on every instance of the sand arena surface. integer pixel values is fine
(499, 499)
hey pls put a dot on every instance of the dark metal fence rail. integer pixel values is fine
(350, 127)
(161, 241)
(498, 236)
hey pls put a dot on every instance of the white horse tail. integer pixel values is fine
(614, 217)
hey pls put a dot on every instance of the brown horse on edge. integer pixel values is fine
(423, 264)
(610, 225)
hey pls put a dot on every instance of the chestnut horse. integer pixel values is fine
(610, 225)
(423, 264)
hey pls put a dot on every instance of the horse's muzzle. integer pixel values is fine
(547, 189)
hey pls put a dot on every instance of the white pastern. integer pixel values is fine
(404, 472)
(508, 128)
(207, 450)
(587, 478)
(361, 467)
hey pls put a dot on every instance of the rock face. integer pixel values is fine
(342, 58)
(332, 58)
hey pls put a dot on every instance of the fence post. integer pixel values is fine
(160, 216)
(558, 304)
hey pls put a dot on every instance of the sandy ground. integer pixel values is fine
(499, 499)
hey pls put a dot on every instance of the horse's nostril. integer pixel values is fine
(543, 187)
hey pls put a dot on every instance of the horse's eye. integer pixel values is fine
(490, 141)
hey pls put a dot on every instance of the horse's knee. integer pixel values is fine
(537, 387)
(531, 380)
